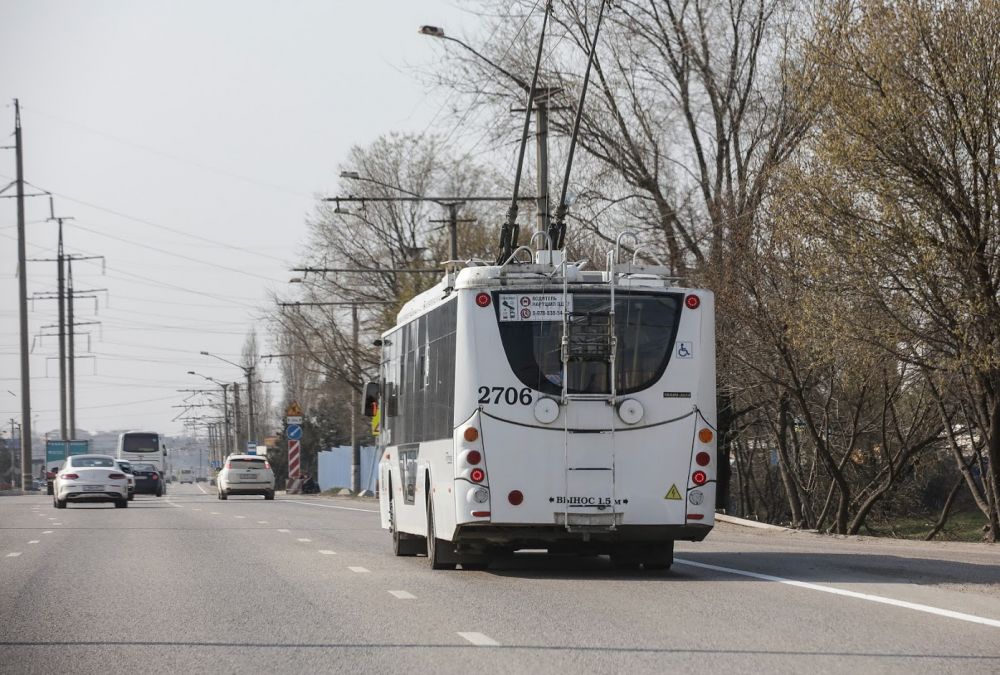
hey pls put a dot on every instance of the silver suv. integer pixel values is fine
(246, 475)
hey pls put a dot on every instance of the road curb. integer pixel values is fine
(747, 523)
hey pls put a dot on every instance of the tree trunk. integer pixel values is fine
(946, 510)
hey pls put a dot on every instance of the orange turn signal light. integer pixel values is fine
(705, 436)
(471, 434)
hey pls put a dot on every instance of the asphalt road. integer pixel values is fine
(188, 583)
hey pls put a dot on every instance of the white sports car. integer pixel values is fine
(91, 478)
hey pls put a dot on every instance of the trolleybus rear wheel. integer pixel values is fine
(436, 549)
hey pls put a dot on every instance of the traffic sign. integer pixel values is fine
(293, 419)
(294, 410)
(295, 432)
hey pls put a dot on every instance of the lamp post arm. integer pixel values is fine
(520, 82)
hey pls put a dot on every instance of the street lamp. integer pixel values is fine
(541, 100)
(248, 372)
(225, 408)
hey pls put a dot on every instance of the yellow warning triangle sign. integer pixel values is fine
(673, 493)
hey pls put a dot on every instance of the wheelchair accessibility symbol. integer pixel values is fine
(685, 350)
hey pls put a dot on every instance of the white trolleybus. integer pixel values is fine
(542, 405)
(143, 446)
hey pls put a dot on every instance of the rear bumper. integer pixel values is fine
(93, 496)
(599, 539)
(249, 488)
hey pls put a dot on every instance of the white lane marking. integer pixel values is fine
(48, 532)
(200, 488)
(282, 530)
(849, 594)
(328, 552)
(51, 518)
(34, 541)
(359, 570)
(305, 540)
(262, 522)
(57, 523)
(479, 639)
(239, 516)
(328, 506)
(14, 555)
(403, 595)
(215, 513)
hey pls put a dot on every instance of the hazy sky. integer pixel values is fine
(187, 139)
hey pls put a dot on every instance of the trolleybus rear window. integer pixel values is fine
(645, 327)
(140, 443)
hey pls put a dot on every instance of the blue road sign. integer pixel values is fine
(294, 432)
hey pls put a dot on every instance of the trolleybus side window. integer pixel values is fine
(645, 327)
(419, 374)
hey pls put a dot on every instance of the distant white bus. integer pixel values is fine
(545, 405)
(142, 446)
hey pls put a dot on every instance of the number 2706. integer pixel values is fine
(508, 395)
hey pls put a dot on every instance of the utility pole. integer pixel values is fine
(236, 415)
(251, 430)
(22, 285)
(61, 277)
(71, 365)
(13, 423)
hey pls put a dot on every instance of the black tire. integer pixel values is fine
(131, 496)
(223, 495)
(436, 548)
(269, 495)
(159, 493)
(659, 558)
(121, 504)
(404, 544)
(59, 503)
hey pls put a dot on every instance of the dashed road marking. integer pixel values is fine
(282, 530)
(479, 639)
(262, 522)
(14, 554)
(57, 523)
(850, 594)
(196, 509)
(239, 516)
(403, 595)
(48, 532)
(52, 518)
(330, 506)
(34, 541)
(328, 552)
(359, 570)
(303, 539)
(214, 513)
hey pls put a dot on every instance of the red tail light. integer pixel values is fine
(229, 465)
(483, 300)
(703, 458)
(267, 465)
(69, 476)
(477, 475)
(474, 457)
(515, 497)
(699, 477)
(695, 516)
(154, 476)
(481, 514)
(692, 301)
(116, 476)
